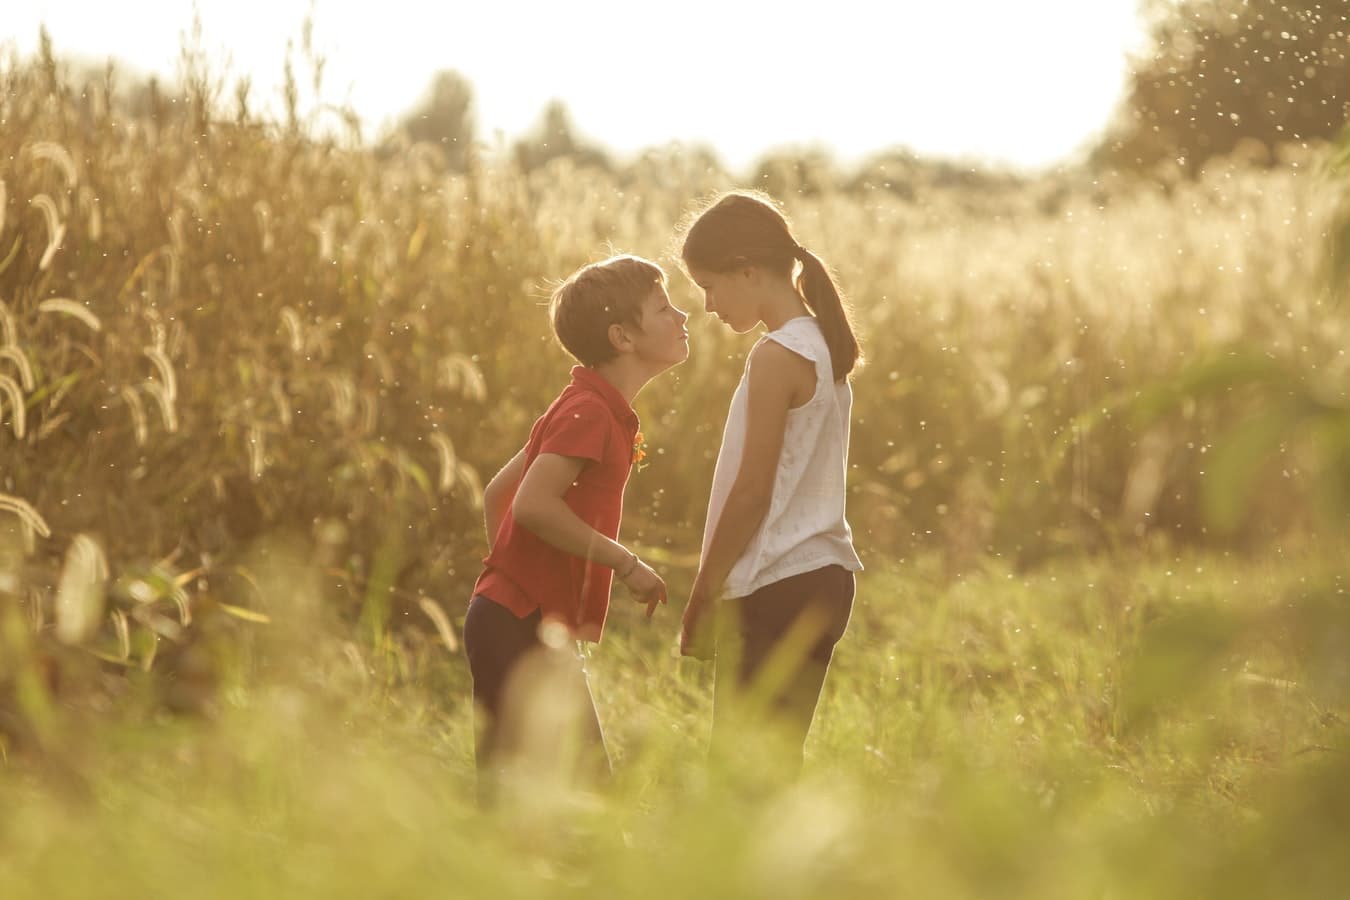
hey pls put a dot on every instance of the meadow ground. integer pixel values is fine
(1117, 728)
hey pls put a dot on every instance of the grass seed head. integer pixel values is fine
(69, 307)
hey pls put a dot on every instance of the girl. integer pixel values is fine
(776, 546)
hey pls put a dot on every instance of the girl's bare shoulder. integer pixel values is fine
(781, 369)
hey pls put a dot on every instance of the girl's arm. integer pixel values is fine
(540, 507)
(779, 380)
(498, 494)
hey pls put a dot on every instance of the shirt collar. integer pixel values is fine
(591, 380)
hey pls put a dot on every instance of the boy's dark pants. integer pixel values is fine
(528, 698)
(773, 651)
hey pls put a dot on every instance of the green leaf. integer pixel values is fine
(1238, 458)
(1215, 375)
(248, 615)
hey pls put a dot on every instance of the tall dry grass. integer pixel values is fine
(218, 327)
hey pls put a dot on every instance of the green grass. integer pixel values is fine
(996, 735)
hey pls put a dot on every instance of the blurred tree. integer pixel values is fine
(675, 163)
(1232, 75)
(785, 172)
(556, 137)
(146, 98)
(906, 174)
(897, 171)
(445, 117)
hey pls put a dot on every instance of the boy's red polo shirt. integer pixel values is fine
(590, 419)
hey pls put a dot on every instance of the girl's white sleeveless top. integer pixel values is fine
(805, 527)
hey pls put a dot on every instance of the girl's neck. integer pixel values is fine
(781, 305)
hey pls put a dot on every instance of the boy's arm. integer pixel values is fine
(774, 371)
(498, 494)
(540, 507)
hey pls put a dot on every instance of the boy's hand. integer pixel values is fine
(696, 637)
(645, 585)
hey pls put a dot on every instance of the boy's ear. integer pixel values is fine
(619, 339)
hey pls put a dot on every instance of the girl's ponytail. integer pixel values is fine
(821, 294)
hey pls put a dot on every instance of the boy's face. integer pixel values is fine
(662, 339)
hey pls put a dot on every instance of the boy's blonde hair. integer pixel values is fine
(597, 296)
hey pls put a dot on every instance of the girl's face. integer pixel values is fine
(729, 296)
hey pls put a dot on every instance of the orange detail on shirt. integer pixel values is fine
(639, 448)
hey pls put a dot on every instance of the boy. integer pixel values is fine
(552, 516)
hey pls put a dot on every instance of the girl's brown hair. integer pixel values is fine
(745, 228)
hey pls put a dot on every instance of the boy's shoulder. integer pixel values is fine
(580, 401)
(592, 392)
(577, 423)
(589, 412)
(575, 410)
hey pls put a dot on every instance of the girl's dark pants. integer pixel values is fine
(507, 661)
(773, 651)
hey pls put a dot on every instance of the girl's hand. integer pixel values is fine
(644, 584)
(696, 638)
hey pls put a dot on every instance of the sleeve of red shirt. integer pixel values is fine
(578, 429)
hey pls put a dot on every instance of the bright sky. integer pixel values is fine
(1025, 82)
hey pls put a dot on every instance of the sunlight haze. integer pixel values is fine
(1026, 84)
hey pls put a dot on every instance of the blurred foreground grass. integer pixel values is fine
(1126, 728)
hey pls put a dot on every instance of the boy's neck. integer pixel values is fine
(626, 378)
